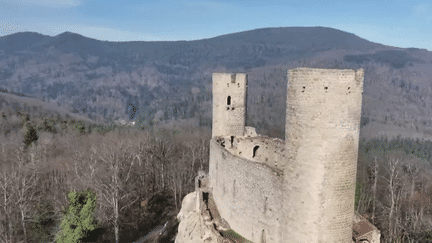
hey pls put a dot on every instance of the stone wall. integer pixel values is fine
(200, 221)
(269, 151)
(247, 194)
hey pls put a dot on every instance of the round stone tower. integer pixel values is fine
(321, 141)
(229, 104)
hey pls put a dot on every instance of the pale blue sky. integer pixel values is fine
(393, 22)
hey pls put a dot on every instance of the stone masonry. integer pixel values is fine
(300, 189)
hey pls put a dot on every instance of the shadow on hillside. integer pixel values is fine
(159, 212)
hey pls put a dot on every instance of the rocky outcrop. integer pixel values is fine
(196, 227)
(200, 221)
(192, 228)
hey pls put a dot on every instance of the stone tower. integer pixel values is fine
(229, 104)
(321, 141)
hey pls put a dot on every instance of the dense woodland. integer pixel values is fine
(43, 159)
(152, 81)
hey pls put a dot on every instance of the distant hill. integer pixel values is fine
(170, 81)
(290, 39)
(19, 104)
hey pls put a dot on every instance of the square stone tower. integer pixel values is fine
(322, 137)
(229, 104)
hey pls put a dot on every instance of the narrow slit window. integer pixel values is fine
(229, 100)
(255, 151)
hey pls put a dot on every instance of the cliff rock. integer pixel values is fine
(192, 228)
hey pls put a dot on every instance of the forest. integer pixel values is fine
(121, 182)
(126, 180)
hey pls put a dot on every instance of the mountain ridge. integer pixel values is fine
(162, 81)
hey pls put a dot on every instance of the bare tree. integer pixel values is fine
(178, 173)
(25, 190)
(8, 201)
(394, 188)
(374, 168)
(143, 163)
(16, 191)
(411, 170)
(174, 184)
(19, 192)
(160, 152)
(111, 178)
(198, 149)
(416, 202)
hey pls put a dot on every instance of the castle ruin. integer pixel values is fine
(300, 189)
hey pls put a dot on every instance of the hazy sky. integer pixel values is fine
(393, 22)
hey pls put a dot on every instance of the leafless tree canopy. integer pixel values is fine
(125, 170)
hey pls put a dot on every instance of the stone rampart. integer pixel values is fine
(269, 151)
(248, 194)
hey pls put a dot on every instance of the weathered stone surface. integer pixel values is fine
(192, 227)
(270, 190)
(188, 206)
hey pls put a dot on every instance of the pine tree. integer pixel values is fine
(30, 135)
(45, 221)
(78, 220)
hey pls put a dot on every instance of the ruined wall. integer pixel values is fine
(229, 104)
(322, 135)
(247, 194)
(302, 188)
(270, 151)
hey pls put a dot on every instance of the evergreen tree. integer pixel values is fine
(30, 135)
(78, 220)
(45, 222)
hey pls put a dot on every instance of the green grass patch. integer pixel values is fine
(231, 234)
